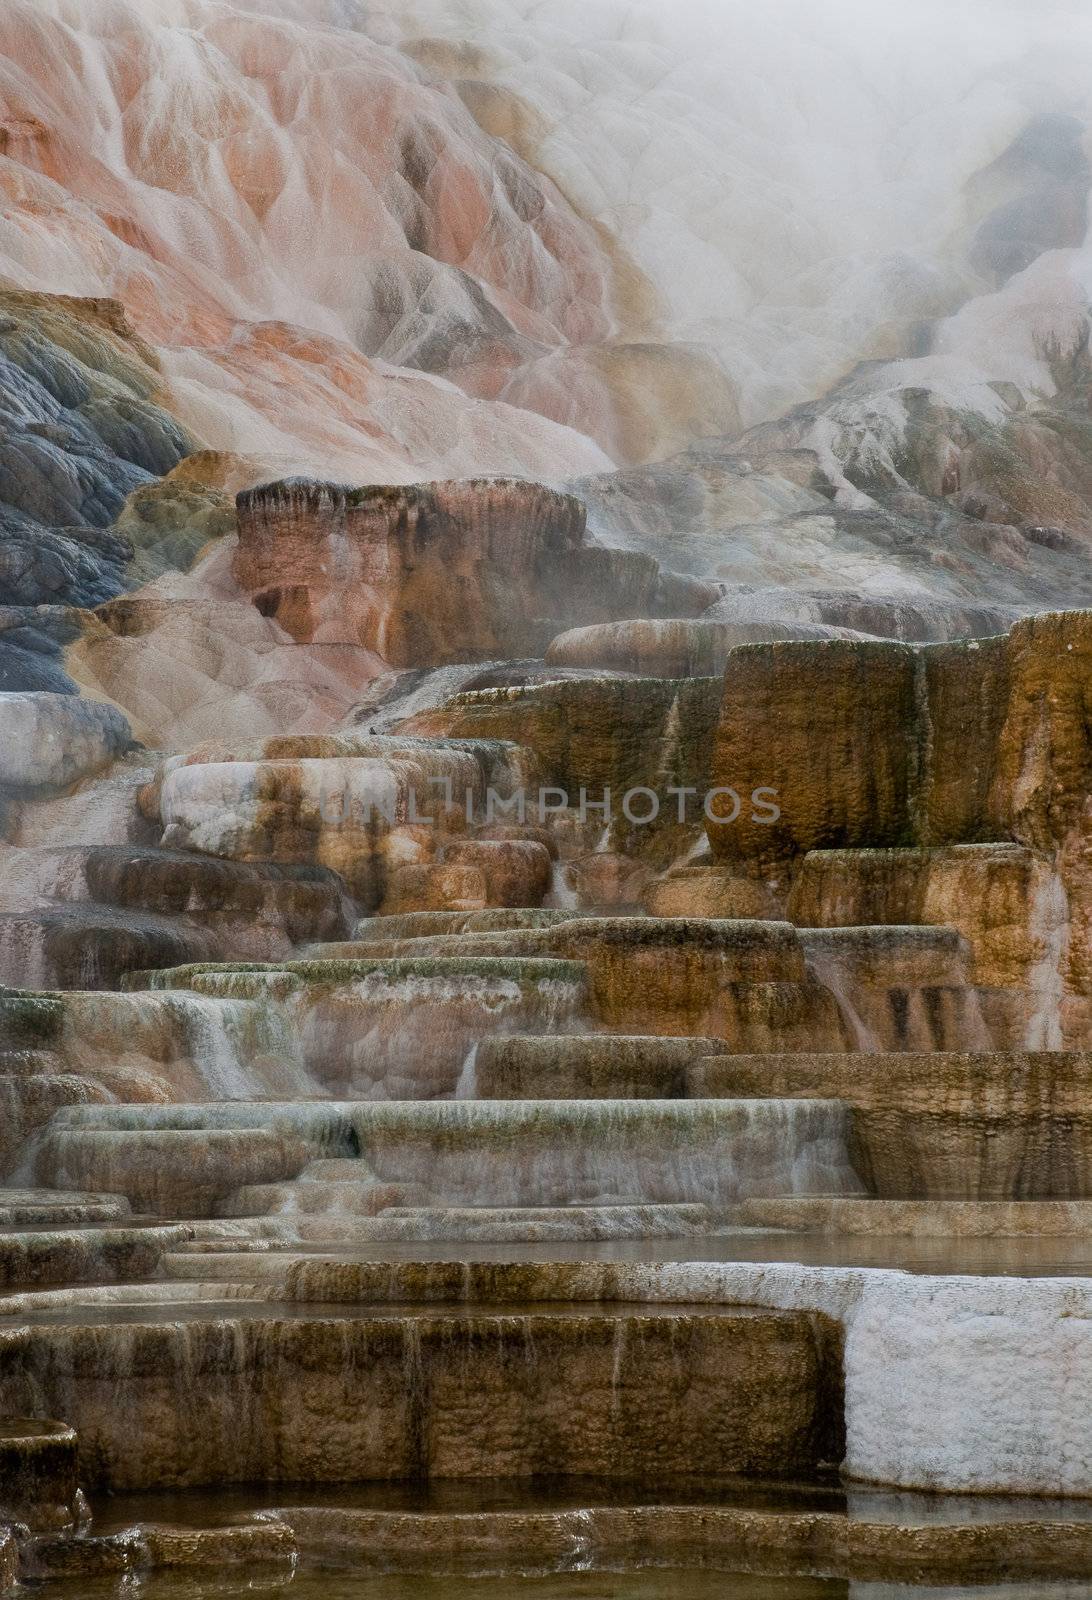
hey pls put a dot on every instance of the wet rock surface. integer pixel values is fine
(994, 1126)
(418, 1430)
(38, 1472)
(914, 745)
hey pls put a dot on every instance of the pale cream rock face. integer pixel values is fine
(48, 741)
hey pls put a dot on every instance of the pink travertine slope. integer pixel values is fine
(341, 270)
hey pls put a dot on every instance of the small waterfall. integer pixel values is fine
(670, 746)
(24, 957)
(560, 1008)
(467, 1086)
(607, 1152)
(240, 1050)
(562, 896)
(697, 851)
(900, 987)
(387, 1035)
(178, 1044)
(415, 1388)
(23, 1114)
(490, 1393)
(424, 1165)
(826, 967)
(1048, 926)
(618, 1364)
(946, 1019)
(207, 1030)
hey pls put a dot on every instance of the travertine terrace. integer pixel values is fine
(545, 848)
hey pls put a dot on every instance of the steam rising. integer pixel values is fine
(798, 181)
(425, 237)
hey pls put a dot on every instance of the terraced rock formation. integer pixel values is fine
(348, 1084)
(545, 800)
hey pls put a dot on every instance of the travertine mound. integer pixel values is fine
(706, 1368)
(443, 250)
(32, 639)
(696, 648)
(888, 760)
(874, 744)
(363, 806)
(80, 918)
(998, 1126)
(433, 573)
(595, 734)
(49, 741)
